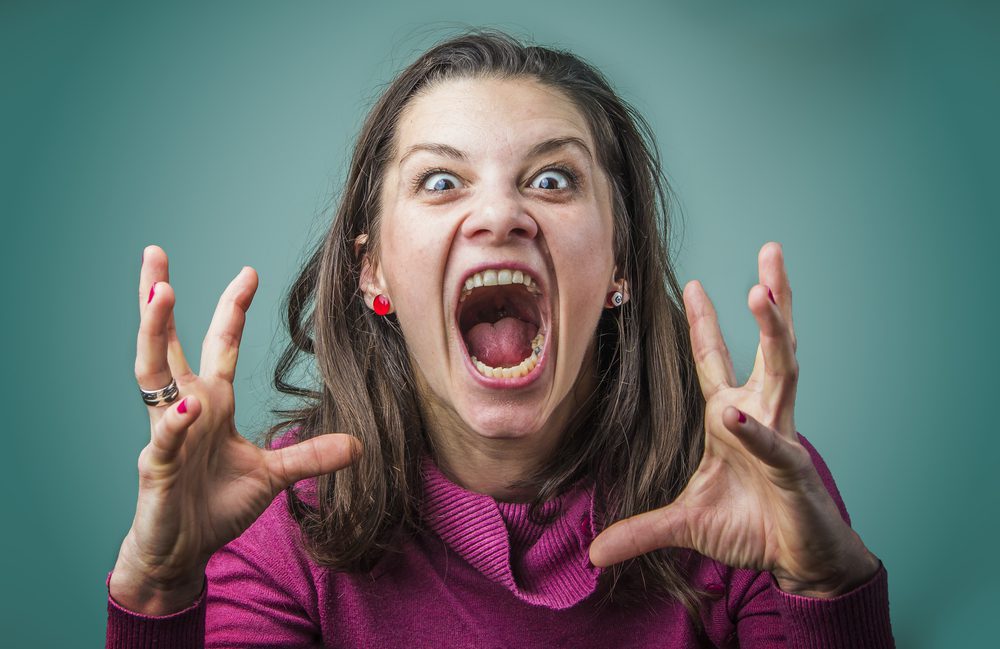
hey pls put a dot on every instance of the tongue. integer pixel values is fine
(505, 343)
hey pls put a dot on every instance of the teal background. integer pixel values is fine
(861, 135)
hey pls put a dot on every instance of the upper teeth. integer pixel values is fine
(499, 277)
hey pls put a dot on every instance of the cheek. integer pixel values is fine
(410, 257)
(413, 262)
(587, 256)
(587, 260)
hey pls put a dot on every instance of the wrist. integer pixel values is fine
(139, 595)
(857, 570)
(143, 590)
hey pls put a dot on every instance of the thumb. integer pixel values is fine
(629, 538)
(316, 456)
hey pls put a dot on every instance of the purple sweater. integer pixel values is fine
(484, 575)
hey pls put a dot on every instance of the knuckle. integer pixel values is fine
(150, 376)
(145, 465)
(773, 444)
(228, 339)
(279, 475)
(143, 373)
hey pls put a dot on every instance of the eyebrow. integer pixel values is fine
(548, 146)
(439, 149)
(542, 148)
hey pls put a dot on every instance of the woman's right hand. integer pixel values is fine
(201, 484)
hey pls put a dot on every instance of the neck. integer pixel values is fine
(492, 466)
(497, 465)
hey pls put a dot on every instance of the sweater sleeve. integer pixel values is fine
(767, 617)
(260, 588)
(259, 594)
(182, 630)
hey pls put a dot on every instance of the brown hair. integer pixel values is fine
(640, 437)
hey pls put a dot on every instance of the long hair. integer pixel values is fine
(639, 438)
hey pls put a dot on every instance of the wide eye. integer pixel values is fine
(551, 179)
(440, 181)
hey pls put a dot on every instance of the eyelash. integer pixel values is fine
(571, 175)
(421, 178)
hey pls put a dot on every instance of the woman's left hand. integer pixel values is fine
(756, 501)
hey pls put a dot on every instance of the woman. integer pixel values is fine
(496, 325)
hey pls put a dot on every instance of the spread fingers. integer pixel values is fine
(222, 342)
(711, 356)
(777, 367)
(773, 274)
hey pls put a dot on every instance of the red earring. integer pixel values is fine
(381, 305)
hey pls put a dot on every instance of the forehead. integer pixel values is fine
(487, 115)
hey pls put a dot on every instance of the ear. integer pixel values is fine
(371, 282)
(617, 284)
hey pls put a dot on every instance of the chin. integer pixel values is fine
(504, 422)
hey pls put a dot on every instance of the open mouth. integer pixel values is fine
(502, 322)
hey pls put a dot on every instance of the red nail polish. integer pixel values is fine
(152, 290)
(742, 418)
(771, 295)
(182, 407)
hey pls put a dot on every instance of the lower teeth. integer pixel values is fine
(519, 370)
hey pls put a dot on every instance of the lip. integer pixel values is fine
(536, 373)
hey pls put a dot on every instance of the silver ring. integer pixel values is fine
(162, 397)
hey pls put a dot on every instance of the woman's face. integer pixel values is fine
(493, 182)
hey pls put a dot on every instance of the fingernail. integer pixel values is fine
(742, 417)
(152, 291)
(182, 407)
(771, 295)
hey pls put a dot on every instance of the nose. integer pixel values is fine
(498, 218)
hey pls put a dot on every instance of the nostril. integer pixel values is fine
(500, 220)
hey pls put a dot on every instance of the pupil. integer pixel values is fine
(548, 183)
(441, 184)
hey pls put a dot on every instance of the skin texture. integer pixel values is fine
(754, 502)
(200, 483)
(487, 438)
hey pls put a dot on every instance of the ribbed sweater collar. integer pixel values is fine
(544, 565)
